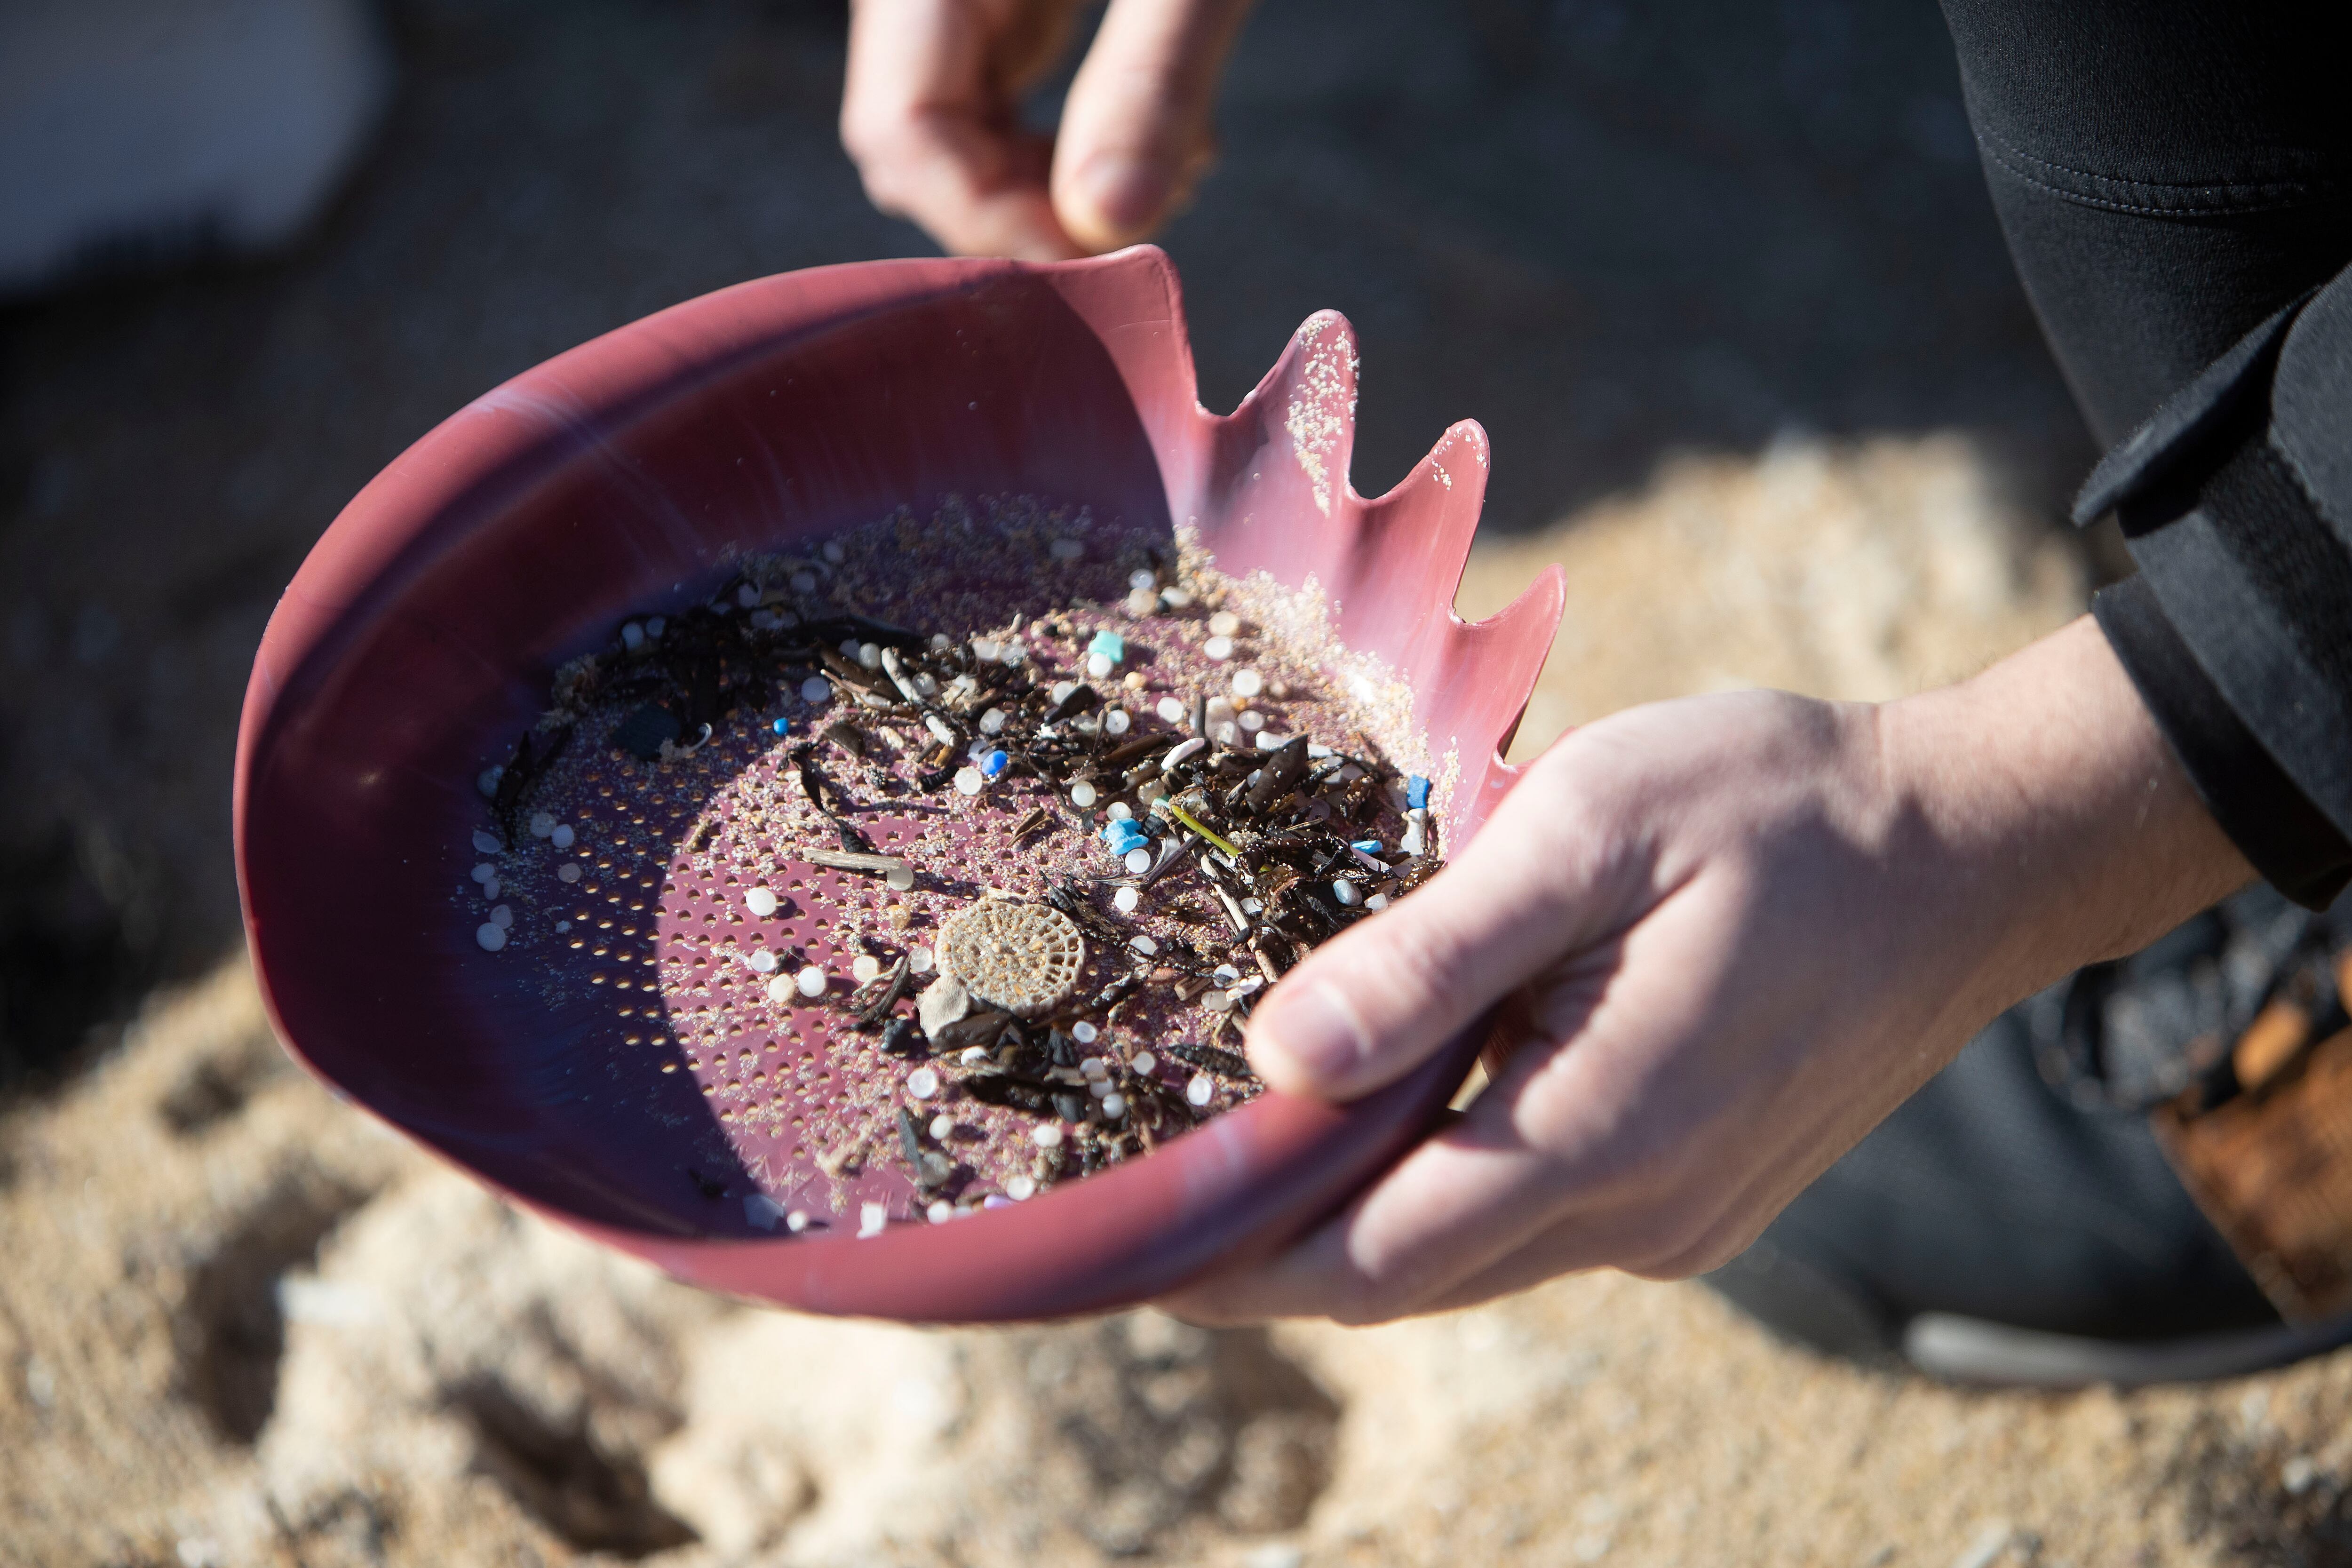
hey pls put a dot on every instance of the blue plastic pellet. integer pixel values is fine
(1416, 793)
(1111, 645)
(993, 764)
(1366, 845)
(783, 726)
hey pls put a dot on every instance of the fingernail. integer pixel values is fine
(1125, 192)
(1318, 1030)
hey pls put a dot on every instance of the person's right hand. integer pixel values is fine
(930, 114)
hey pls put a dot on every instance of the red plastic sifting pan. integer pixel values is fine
(418, 639)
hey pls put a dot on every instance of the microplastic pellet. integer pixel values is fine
(899, 879)
(1144, 1064)
(761, 901)
(1215, 1001)
(869, 655)
(762, 961)
(940, 1212)
(633, 637)
(1020, 1189)
(562, 836)
(1248, 683)
(1116, 721)
(1344, 893)
(865, 967)
(490, 889)
(1014, 652)
(1046, 1135)
(485, 872)
(1141, 602)
(1143, 945)
(1200, 1089)
(1139, 578)
(810, 981)
(1225, 624)
(919, 961)
(942, 1126)
(503, 917)
(992, 722)
(567, 872)
(1085, 1033)
(490, 935)
(1251, 722)
(1082, 795)
(1170, 710)
(1136, 861)
(1121, 811)
(1114, 1105)
(969, 781)
(1218, 648)
(543, 824)
(816, 688)
(833, 552)
(973, 1056)
(780, 989)
(923, 1083)
(1126, 900)
(1377, 902)
(1094, 1067)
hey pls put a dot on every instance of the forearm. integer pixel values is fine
(2049, 821)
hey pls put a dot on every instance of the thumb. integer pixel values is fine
(1136, 126)
(1375, 1002)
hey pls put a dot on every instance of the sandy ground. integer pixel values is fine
(240, 1325)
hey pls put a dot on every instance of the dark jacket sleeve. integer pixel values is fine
(2175, 179)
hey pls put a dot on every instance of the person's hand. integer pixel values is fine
(930, 114)
(1726, 936)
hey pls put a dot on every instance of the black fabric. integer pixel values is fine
(2175, 176)
(2288, 841)
(1990, 1195)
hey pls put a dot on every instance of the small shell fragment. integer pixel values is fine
(1023, 958)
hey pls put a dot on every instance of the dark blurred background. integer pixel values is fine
(1609, 231)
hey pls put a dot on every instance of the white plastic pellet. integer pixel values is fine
(919, 961)
(816, 688)
(746, 594)
(490, 889)
(487, 781)
(940, 1212)
(1082, 795)
(1114, 1105)
(1345, 893)
(1126, 900)
(562, 837)
(992, 722)
(633, 637)
(1141, 601)
(1060, 690)
(1170, 710)
(1144, 1064)
(1225, 624)
(1121, 811)
(1099, 665)
(762, 961)
(865, 967)
(562, 926)
(654, 624)
(543, 824)
(871, 1219)
(1251, 722)
(490, 935)
(973, 1056)
(939, 643)
(869, 655)
(1020, 1189)
(567, 872)
(1178, 598)
(485, 872)
(810, 981)
(1218, 648)
(1098, 1087)
(1085, 1033)
(803, 581)
(780, 989)
(503, 917)
(1267, 741)
(1047, 1135)
(1136, 861)
(1094, 1067)
(969, 781)
(923, 1083)
(898, 878)
(1139, 578)
(797, 1221)
(1248, 683)
(1200, 1089)
(1215, 1001)
(1143, 945)
(1377, 902)
(1116, 721)
(761, 901)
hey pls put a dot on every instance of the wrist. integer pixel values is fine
(2055, 826)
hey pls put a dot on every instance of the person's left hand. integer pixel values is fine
(930, 114)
